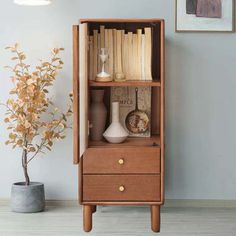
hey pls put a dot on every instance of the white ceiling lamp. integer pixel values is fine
(33, 2)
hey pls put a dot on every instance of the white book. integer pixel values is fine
(148, 53)
(102, 33)
(130, 56)
(135, 57)
(143, 77)
(114, 52)
(99, 65)
(139, 54)
(125, 57)
(95, 52)
(106, 39)
(119, 51)
(91, 75)
(111, 52)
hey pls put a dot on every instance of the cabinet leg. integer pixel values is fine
(155, 218)
(87, 213)
(94, 208)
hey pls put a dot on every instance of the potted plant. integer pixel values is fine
(29, 128)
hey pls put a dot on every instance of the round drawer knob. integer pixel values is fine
(121, 188)
(121, 161)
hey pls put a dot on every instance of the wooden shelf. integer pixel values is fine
(154, 140)
(125, 84)
(120, 20)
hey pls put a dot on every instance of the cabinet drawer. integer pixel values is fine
(122, 160)
(121, 188)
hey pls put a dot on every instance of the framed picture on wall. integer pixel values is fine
(204, 16)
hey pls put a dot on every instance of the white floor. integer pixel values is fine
(119, 221)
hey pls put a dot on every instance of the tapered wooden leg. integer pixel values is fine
(94, 208)
(155, 218)
(87, 211)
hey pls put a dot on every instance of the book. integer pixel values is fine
(111, 52)
(95, 52)
(106, 39)
(139, 54)
(91, 75)
(99, 64)
(143, 58)
(135, 57)
(130, 55)
(114, 52)
(127, 99)
(102, 33)
(148, 54)
(119, 51)
(125, 56)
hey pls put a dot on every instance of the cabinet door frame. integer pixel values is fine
(76, 149)
(80, 91)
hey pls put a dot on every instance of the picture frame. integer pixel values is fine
(191, 23)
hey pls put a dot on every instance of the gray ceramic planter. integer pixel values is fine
(27, 199)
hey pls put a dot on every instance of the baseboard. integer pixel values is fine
(200, 203)
(168, 203)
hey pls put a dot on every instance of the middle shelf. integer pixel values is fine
(127, 83)
(153, 141)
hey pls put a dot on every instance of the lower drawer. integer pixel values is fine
(121, 188)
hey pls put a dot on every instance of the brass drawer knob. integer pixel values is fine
(121, 188)
(121, 161)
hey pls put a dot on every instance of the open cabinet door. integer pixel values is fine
(83, 88)
(80, 91)
(75, 94)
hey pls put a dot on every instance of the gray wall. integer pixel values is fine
(200, 97)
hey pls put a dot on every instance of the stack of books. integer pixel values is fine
(129, 53)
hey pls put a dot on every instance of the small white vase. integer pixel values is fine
(115, 133)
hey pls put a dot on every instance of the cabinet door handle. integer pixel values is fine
(121, 188)
(121, 161)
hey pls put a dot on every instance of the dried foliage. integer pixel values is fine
(29, 102)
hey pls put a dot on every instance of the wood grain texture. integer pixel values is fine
(141, 160)
(139, 180)
(133, 83)
(75, 94)
(162, 111)
(136, 187)
(122, 20)
(155, 218)
(87, 217)
(83, 88)
(154, 140)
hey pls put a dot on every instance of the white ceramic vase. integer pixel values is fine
(115, 133)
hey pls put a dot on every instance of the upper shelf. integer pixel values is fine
(125, 20)
(125, 84)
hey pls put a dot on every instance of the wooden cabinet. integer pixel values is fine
(130, 173)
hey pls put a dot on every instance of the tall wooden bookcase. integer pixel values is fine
(130, 173)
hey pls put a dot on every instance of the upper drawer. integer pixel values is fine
(122, 160)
